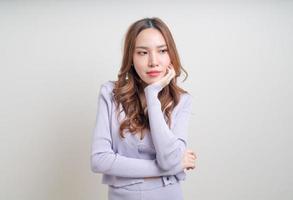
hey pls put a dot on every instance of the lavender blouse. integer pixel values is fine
(127, 161)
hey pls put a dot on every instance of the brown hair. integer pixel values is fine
(128, 89)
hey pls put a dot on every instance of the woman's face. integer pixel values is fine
(150, 57)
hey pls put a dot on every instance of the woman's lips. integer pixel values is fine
(153, 73)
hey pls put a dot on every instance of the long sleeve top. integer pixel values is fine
(125, 161)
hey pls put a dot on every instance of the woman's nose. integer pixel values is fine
(153, 60)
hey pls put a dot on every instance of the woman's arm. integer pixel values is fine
(117, 165)
(105, 160)
(170, 144)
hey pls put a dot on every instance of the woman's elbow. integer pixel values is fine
(167, 160)
(170, 161)
(166, 166)
(96, 167)
(100, 163)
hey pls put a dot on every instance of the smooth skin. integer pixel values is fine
(151, 53)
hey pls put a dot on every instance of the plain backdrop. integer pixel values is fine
(54, 55)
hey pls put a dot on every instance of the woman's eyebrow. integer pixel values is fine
(143, 47)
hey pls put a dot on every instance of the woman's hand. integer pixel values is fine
(167, 78)
(188, 160)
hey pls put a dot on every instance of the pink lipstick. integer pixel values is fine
(153, 73)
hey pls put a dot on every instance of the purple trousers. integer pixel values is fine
(150, 189)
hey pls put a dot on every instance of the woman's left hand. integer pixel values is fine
(167, 78)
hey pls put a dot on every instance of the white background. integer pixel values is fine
(54, 55)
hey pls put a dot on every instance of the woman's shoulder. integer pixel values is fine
(185, 101)
(106, 89)
(109, 85)
(185, 97)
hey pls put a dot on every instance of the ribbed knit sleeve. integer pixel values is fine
(170, 144)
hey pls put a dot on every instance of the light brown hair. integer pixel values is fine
(128, 90)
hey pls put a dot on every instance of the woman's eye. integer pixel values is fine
(163, 50)
(142, 53)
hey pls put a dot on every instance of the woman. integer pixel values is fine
(139, 142)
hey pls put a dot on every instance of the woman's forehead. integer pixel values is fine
(150, 38)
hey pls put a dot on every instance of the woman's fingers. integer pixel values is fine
(172, 72)
(188, 160)
(169, 76)
(191, 156)
(164, 81)
(191, 153)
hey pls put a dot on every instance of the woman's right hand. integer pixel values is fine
(188, 159)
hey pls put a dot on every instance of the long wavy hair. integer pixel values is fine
(128, 89)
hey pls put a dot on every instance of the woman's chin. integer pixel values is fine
(152, 81)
